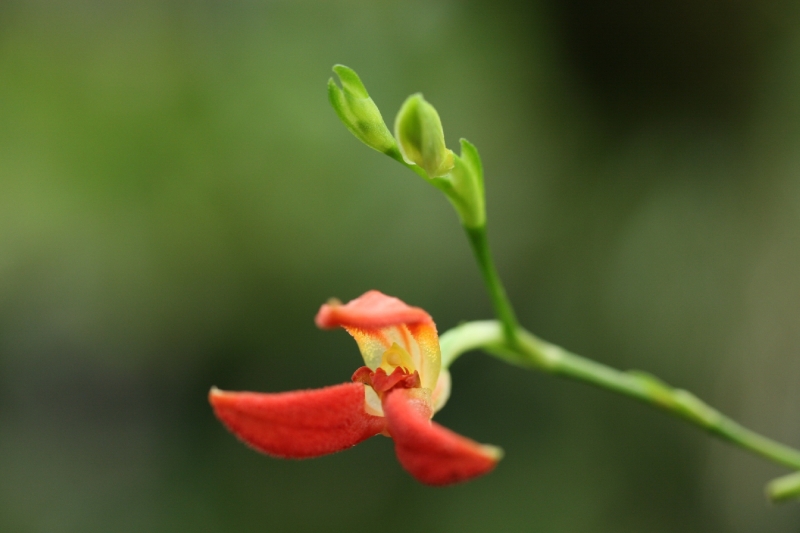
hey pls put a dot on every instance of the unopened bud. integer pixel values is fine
(358, 112)
(419, 134)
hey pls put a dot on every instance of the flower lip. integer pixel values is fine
(381, 382)
(372, 310)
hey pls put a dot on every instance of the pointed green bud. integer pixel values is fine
(358, 112)
(419, 134)
(464, 186)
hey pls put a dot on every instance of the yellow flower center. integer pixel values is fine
(395, 357)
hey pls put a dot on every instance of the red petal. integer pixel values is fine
(372, 309)
(362, 375)
(298, 424)
(431, 453)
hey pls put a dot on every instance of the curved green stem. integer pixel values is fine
(534, 353)
(500, 302)
(508, 341)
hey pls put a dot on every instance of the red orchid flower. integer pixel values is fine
(395, 394)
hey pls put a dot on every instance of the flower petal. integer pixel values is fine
(431, 453)
(298, 424)
(426, 352)
(371, 310)
(441, 392)
(377, 321)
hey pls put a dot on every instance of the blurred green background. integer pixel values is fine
(177, 199)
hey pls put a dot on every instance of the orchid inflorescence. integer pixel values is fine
(405, 377)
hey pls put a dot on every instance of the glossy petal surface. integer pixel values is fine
(434, 455)
(298, 424)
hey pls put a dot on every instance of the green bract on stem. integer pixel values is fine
(419, 145)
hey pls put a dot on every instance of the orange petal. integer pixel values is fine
(371, 310)
(431, 453)
(298, 424)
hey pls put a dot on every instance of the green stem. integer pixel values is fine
(784, 488)
(532, 352)
(502, 305)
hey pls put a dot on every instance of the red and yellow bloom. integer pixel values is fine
(395, 394)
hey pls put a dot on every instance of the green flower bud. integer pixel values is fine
(467, 194)
(419, 134)
(358, 112)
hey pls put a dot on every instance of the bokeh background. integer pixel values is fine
(177, 199)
